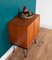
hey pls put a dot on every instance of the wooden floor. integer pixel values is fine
(42, 50)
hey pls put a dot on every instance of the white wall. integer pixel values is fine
(44, 8)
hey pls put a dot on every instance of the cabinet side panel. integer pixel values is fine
(36, 26)
(12, 33)
(33, 30)
(30, 34)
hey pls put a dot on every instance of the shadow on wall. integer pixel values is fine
(5, 41)
(5, 38)
(5, 16)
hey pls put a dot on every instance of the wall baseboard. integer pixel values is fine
(46, 26)
(7, 53)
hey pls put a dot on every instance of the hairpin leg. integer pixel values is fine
(13, 48)
(35, 40)
(25, 52)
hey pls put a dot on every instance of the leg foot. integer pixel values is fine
(13, 49)
(35, 41)
(25, 52)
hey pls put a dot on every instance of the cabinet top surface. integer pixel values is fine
(23, 22)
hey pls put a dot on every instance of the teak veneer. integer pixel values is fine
(23, 31)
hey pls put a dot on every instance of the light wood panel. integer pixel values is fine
(40, 51)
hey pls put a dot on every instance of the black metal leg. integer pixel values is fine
(25, 52)
(35, 40)
(13, 48)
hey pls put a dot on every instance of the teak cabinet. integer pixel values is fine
(23, 31)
